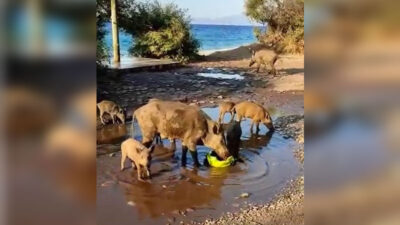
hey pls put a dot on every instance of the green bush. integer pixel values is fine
(285, 19)
(159, 31)
(173, 40)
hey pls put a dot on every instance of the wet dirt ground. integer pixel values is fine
(190, 194)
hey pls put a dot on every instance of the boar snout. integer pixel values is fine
(223, 153)
(144, 173)
(270, 126)
(251, 63)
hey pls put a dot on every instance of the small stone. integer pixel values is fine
(244, 195)
(220, 97)
(131, 203)
(188, 210)
(107, 183)
(112, 154)
(164, 186)
(202, 102)
(236, 205)
(212, 102)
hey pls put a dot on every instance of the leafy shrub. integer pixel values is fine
(285, 19)
(172, 40)
(159, 31)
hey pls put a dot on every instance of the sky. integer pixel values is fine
(213, 11)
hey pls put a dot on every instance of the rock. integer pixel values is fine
(164, 186)
(212, 102)
(188, 210)
(202, 102)
(244, 195)
(131, 203)
(236, 205)
(107, 183)
(112, 154)
(220, 97)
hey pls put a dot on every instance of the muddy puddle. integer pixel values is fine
(178, 194)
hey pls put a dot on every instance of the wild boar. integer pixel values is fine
(255, 112)
(264, 57)
(225, 107)
(176, 120)
(233, 134)
(140, 156)
(112, 109)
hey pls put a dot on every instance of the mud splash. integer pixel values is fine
(188, 194)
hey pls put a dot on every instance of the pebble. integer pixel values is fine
(164, 186)
(131, 203)
(236, 205)
(245, 195)
(188, 210)
(112, 154)
(107, 183)
(220, 97)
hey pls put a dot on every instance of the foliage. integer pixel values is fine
(159, 31)
(102, 53)
(285, 19)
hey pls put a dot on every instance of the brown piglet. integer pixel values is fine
(139, 155)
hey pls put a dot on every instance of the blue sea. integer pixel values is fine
(211, 37)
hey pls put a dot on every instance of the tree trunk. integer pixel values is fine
(115, 35)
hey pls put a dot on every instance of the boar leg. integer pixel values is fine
(232, 117)
(101, 117)
(193, 152)
(184, 152)
(221, 116)
(123, 158)
(139, 173)
(195, 158)
(134, 165)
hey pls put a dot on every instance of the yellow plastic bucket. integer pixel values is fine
(215, 162)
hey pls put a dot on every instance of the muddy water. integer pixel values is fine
(188, 194)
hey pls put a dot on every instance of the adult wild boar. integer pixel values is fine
(175, 120)
(112, 109)
(264, 57)
(255, 112)
(139, 155)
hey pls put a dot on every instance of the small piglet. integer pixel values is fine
(233, 134)
(139, 155)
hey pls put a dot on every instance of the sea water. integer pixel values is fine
(211, 37)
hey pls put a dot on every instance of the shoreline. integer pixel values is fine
(211, 51)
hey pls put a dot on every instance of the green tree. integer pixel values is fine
(159, 31)
(285, 20)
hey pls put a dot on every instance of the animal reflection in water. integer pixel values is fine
(188, 189)
(112, 134)
(256, 140)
